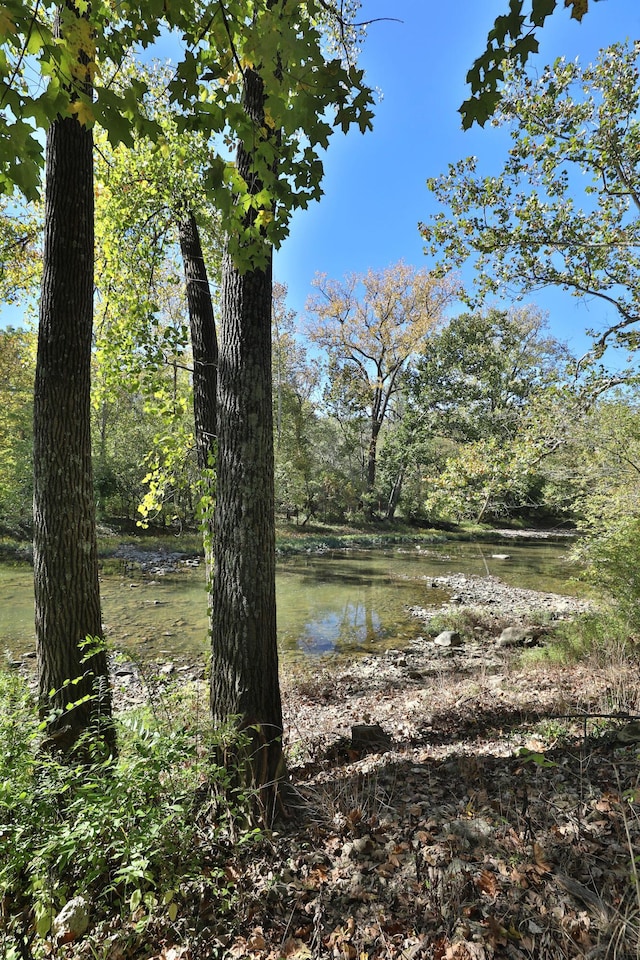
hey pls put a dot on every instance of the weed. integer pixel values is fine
(134, 836)
(602, 636)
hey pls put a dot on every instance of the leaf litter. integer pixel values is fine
(499, 818)
(501, 821)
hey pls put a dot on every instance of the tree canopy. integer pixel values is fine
(305, 90)
(510, 42)
(564, 210)
(370, 325)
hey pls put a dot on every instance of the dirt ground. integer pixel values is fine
(448, 801)
(494, 812)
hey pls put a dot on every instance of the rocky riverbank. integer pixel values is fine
(481, 628)
(479, 632)
(496, 604)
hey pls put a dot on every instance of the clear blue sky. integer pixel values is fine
(375, 190)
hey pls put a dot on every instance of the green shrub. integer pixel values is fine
(132, 835)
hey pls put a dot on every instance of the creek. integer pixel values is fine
(337, 601)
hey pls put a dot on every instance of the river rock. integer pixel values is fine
(514, 636)
(448, 638)
(72, 921)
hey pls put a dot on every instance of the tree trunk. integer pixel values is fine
(67, 596)
(372, 464)
(394, 496)
(244, 667)
(204, 345)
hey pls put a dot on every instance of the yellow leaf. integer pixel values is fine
(83, 111)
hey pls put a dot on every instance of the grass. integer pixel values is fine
(602, 636)
(144, 839)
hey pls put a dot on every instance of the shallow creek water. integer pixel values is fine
(341, 601)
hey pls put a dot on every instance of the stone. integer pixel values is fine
(369, 738)
(501, 556)
(514, 636)
(448, 638)
(630, 733)
(72, 921)
(125, 670)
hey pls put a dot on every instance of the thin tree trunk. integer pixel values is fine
(244, 667)
(394, 496)
(67, 596)
(204, 345)
(204, 342)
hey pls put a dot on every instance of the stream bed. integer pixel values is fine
(336, 601)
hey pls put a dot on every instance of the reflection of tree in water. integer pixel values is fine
(355, 625)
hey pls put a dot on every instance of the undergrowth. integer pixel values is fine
(603, 636)
(145, 838)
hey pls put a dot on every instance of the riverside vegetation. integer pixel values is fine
(457, 800)
(491, 813)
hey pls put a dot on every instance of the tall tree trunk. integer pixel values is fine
(67, 596)
(244, 667)
(372, 464)
(204, 346)
(204, 342)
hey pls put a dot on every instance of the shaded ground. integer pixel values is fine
(494, 814)
(492, 824)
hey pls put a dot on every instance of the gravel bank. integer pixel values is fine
(497, 599)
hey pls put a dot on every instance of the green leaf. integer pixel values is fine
(135, 899)
(540, 10)
(478, 109)
(533, 756)
(108, 111)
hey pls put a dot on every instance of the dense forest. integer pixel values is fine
(160, 380)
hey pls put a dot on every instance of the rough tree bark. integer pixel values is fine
(204, 346)
(67, 596)
(244, 668)
(204, 342)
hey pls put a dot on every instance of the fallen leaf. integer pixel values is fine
(294, 949)
(487, 883)
(542, 863)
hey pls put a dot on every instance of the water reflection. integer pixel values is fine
(341, 602)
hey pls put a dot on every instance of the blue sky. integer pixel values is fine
(375, 184)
